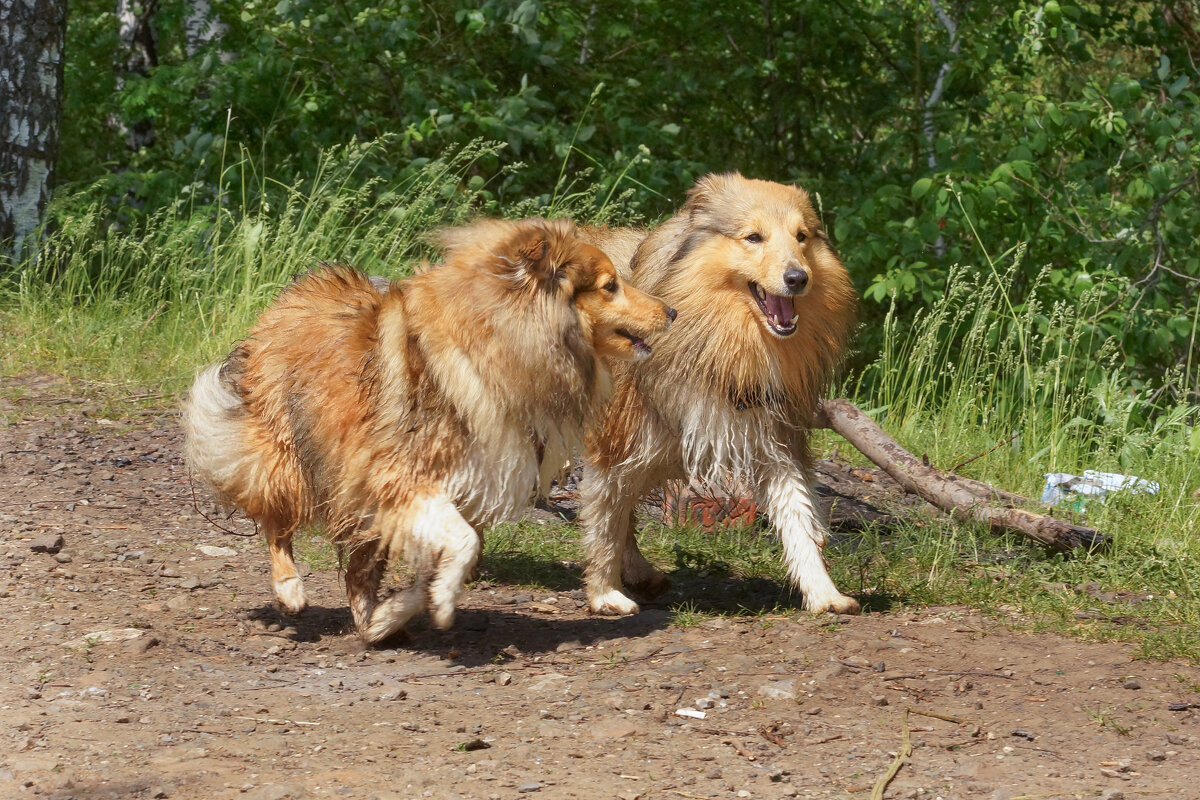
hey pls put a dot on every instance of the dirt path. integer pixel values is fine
(216, 695)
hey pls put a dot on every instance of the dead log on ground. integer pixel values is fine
(962, 498)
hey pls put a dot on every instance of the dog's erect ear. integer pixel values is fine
(702, 194)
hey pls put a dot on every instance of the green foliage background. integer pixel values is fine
(1054, 136)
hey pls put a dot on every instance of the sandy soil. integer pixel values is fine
(144, 659)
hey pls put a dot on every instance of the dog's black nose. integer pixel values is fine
(671, 314)
(795, 280)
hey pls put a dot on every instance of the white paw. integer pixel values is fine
(612, 603)
(391, 614)
(289, 593)
(442, 617)
(834, 604)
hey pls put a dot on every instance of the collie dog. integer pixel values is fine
(401, 420)
(765, 310)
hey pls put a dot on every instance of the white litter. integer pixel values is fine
(1076, 490)
(690, 712)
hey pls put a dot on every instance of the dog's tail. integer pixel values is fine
(214, 438)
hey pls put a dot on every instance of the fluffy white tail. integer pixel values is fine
(213, 416)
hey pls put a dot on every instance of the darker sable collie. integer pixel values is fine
(403, 419)
(765, 309)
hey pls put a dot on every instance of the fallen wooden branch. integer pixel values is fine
(962, 498)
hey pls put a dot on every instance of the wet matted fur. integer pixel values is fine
(765, 309)
(403, 419)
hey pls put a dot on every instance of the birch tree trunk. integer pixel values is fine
(139, 57)
(201, 27)
(32, 33)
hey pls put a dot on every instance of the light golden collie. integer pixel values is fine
(765, 309)
(403, 419)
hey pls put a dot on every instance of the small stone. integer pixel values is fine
(1156, 755)
(778, 690)
(1021, 733)
(395, 694)
(532, 786)
(615, 728)
(1112, 794)
(879, 700)
(63, 558)
(50, 543)
(139, 647)
(210, 550)
(832, 671)
(1131, 683)
(179, 602)
(190, 582)
(503, 679)
(473, 745)
(157, 792)
(1176, 739)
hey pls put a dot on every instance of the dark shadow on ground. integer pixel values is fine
(311, 625)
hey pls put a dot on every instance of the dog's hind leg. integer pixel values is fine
(285, 580)
(452, 546)
(606, 512)
(789, 504)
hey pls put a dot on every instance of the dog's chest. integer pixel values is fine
(717, 437)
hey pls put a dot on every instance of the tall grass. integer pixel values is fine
(147, 302)
(992, 383)
(1004, 388)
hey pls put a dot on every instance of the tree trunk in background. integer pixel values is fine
(136, 29)
(203, 26)
(32, 33)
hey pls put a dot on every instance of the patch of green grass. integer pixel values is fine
(532, 554)
(314, 548)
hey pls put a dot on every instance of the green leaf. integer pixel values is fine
(921, 188)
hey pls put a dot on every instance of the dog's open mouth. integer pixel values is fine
(640, 348)
(778, 309)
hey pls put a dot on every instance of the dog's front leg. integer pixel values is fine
(449, 548)
(377, 619)
(606, 513)
(789, 503)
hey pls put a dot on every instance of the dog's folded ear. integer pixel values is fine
(530, 248)
(700, 197)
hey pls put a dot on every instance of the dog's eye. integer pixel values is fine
(754, 238)
(611, 286)
(801, 236)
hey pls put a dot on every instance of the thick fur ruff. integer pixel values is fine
(765, 309)
(402, 417)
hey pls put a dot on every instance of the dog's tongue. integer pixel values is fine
(780, 308)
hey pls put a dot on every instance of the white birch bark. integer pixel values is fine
(32, 34)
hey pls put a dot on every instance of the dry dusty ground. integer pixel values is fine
(216, 695)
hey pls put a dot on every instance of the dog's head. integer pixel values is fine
(762, 242)
(546, 258)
